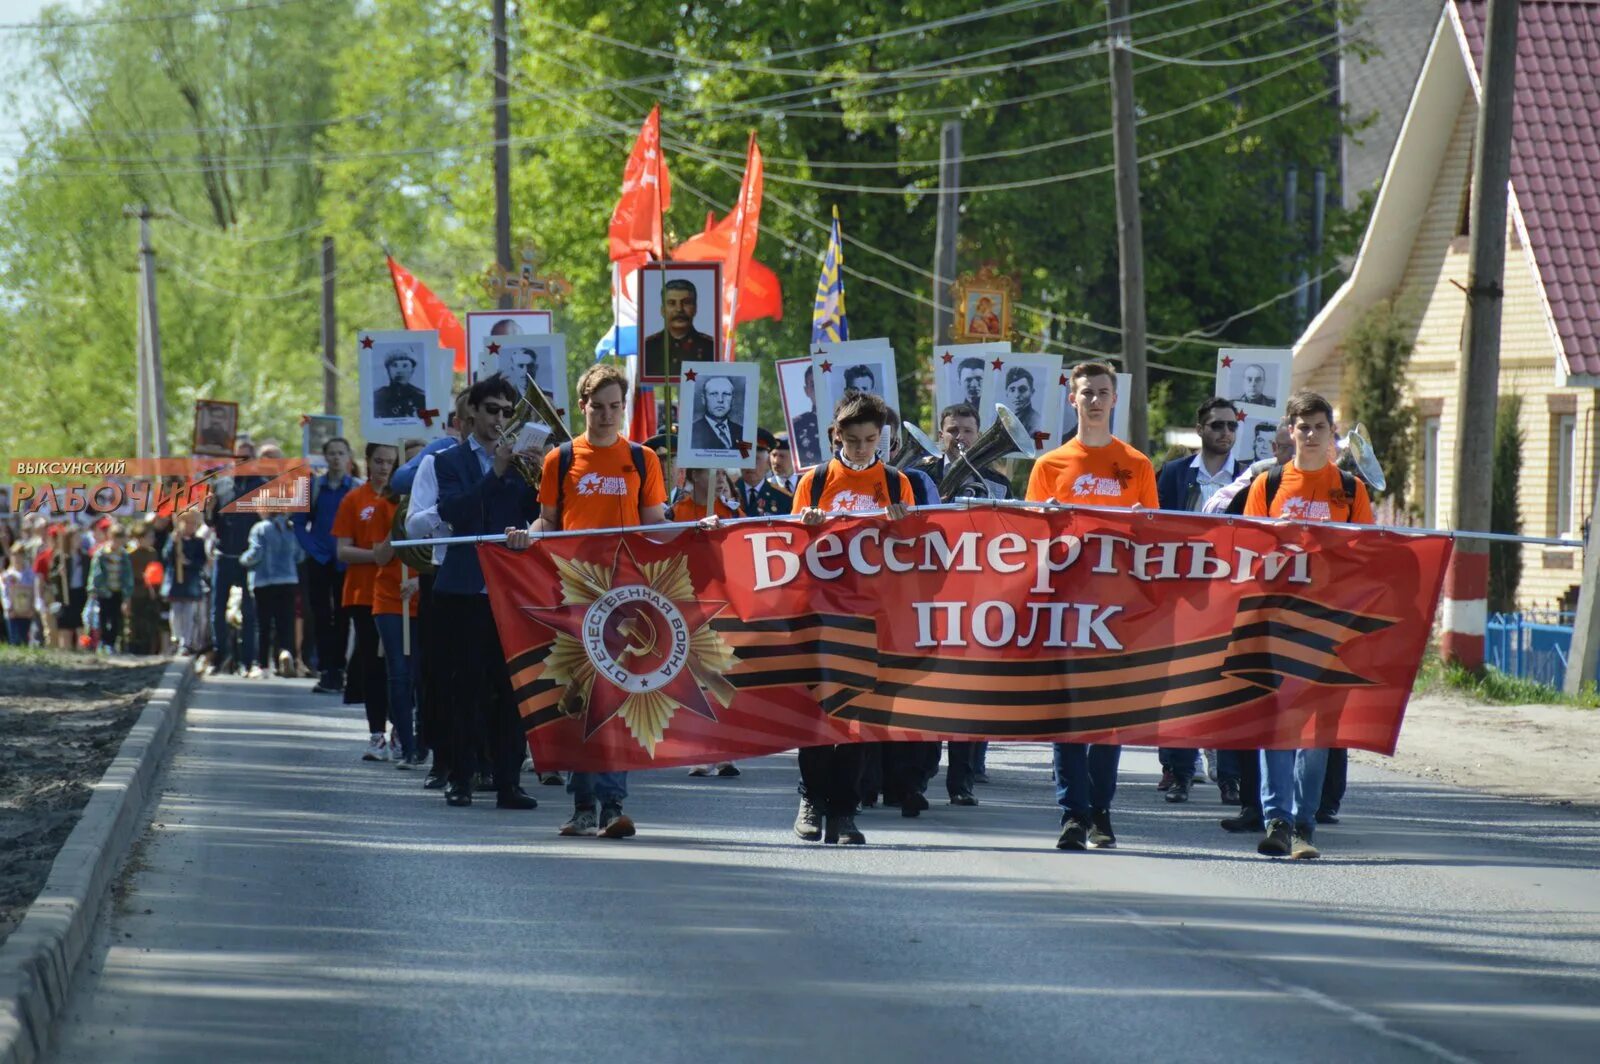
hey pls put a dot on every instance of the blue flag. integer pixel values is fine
(828, 321)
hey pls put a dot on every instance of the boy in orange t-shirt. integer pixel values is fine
(1311, 488)
(362, 522)
(1092, 469)
(854, 480)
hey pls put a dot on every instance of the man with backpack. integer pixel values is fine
(1310, 487)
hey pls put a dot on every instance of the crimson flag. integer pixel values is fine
(421, 309)
(646, 196)
(760, 295)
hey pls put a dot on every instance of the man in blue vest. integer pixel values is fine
(1188, 484)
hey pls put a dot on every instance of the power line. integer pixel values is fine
(1178, 60)
(128, 20)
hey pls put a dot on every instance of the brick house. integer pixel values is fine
(1415, 252)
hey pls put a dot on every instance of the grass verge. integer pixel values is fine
(1496, 688)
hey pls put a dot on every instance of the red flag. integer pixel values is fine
(761, 295)
(646, 196)
(421, 309)
(746, 230)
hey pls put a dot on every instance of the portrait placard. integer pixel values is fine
(483, 325)
(959, 371)
(1256, 379)
(216, 427)
(1029, 384)
(544, 355)
(1255, 438)
(404, 392)
(797, 390)
(867, 365)
(718, 404)
(680, 306)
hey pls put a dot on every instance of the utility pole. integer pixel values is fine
(154, 388)
(1584, 656)
(141, 379)
(1130, 230)
(1465, 611)
(330, 333)
(502, 149)
(944, 233)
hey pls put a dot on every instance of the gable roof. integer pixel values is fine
(1555, 175)
(1555, 161)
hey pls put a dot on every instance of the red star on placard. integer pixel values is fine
(494, 348)
(366, 341)
(1063, 380)
(606, 698)
(997, 364)
(688, 375)
(827, 367)
(1238, 415)
(947, 358)
(1227, 360)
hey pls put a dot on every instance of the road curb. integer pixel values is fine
(38, 961)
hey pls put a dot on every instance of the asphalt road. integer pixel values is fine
(294, 904)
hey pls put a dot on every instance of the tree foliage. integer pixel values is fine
(1505, 511)
(370, 123)
(1376, 351)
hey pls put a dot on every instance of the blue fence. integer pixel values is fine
(1532, 645)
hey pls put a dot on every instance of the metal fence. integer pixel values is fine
(1532, 645)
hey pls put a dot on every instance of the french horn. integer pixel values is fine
(533, 406)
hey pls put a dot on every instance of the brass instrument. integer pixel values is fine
(533, 406)
(1005, 436)
(914, 447)
(417, 559)
(1363, 457)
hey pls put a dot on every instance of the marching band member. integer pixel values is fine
(855, 479)
(1092, 469)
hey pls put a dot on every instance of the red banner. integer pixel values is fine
(1077, 625)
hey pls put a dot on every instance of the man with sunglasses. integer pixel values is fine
(1188, 484)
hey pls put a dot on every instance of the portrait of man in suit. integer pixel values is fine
(715, 429)
(678, 341)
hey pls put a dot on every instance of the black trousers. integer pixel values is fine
(374, 682)
(1333, 783)
(1250, 780)
(110, 619)
(909, 766)
(483, 711)
(960, 767)
(325, 585)
(432, 725)
(274, 622)
(831, 776)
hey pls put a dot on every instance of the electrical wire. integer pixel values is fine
(129, 20)
(1176, 60)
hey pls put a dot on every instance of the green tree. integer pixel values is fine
(1376, 352)
(1505, 513)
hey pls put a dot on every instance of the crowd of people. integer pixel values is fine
(413, 640)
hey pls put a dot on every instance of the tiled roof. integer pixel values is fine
(1555, 164)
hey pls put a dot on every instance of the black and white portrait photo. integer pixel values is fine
(679, 308)
(1029, 384)
(404, 385)
(1254, 377)
(797, 388)
(483, 326)
(517, 356)
(958, 375)
(216, 424)
(719, 401)
(866, 365)
(397, 394)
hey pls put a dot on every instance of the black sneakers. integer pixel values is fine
(1277, 841)
(963, 798)
(1247, 820)
(1101, 837)
(615, 824)
(912, 804)
(808, 822)
(1074, 835)
(1179, 791)
(843, 830)
(1229, 791)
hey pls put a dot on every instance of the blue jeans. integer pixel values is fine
(229, 574)
(18, 628)
(1228, 765)
(610, 787)
(1291, 786)
(1086, 777)
(397, 666)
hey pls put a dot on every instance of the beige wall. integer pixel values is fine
(1428, 298)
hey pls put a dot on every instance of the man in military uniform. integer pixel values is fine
(807, 433)
(678, 342)
(399, 398)
(783, 473)
(761, 492)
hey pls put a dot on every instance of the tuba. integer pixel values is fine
(914, 447)
(533, 406)
(1358, 449)
(1002, 438)
(417, 559)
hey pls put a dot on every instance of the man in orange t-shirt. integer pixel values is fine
(1092, 469)
(854, 480)
(363, 521)
(1309, 488)
(608, 483)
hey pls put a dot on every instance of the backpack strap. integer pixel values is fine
(819, 484)
(1274, 482)
(563, 467)
(636, 452)
(891, 482)
(1347, 481)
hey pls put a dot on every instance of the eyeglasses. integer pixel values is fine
(496, 409)
(1223, 426)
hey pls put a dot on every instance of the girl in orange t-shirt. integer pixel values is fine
(854, 480)
(362, 524)
(701, 483)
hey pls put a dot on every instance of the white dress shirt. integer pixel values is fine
(422, 517)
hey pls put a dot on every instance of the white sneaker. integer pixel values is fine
(377, 748)
(285, 663)
(396, 751)
(255, 672)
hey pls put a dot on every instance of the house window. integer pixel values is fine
(1430, 472)
(1565, 473)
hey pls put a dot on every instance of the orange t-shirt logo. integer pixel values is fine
(595, 484)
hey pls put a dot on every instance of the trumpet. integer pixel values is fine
(998, 440)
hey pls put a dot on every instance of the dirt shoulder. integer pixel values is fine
(62, 720)
(1543, 753)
